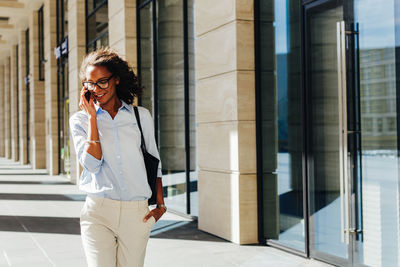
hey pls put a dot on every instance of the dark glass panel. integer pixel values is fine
(97, 28)
(93, 4)
(194, 205)
(27, 100)
(41, 43)
(146, 40)
(282, 122)
(171, 101)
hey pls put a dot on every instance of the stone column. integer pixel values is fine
(7, 107)
(14, 103)
(122, 29)
(37, 100)
(22, 113)
(50, 42)
(76, 52)
(2, 122)
(226, 119)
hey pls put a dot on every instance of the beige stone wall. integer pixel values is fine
(226, 119)
(37, 100)
(7, 107)
(122, 29)
(76, 52)
(2, 123)
(51, 101)
(22, 113)
(14, 104)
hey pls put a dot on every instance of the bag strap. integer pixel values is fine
(142, 144)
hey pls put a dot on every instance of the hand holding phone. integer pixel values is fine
(87, 95)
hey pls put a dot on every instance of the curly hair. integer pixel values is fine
(128, 87)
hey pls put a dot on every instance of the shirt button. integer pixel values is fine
(118, 157)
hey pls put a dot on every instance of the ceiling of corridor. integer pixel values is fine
(14, 18)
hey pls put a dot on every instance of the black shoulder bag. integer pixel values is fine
(150, 162)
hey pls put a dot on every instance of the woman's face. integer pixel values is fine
(97, 74)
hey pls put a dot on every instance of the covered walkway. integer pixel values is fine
(39, 226)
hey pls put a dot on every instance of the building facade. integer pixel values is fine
(276, 121)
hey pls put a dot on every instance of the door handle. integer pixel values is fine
(343, 131)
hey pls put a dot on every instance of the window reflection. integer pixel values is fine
(282, 153)
(97, 26)
(146, 56)
(162, 73)
(381, 243)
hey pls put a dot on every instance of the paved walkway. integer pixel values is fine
(39, 227)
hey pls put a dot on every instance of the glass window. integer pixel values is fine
(379, 26)
(93, 4)
(63, 89)
(146, 69)
(41, 44)
(166, 52)
(27, 100)
(96, 25)
(194, 207)
(17, 86)
(281, 127)
(171, 101)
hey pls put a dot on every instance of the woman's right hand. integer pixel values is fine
(86, 106)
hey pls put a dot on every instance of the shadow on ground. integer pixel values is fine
(52, 225)
(182, 230)
(55, 225)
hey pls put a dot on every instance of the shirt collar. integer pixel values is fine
(127, 106)
(124, 105)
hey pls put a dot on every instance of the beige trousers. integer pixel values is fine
(113, 232)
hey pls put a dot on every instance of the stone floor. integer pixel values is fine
(39, 227)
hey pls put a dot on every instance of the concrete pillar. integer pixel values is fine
(14, 103)
(2, 123)
(37, 100)
(122, 29)
(50, 42)
(76, 52)
(7, 107)
(22, 113)
(226, 119)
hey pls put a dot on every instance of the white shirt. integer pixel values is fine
(120, 174)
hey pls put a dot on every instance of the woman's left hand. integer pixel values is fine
(156, 213)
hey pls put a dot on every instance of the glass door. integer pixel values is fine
(328, 129)
(333, 131)
(63, 87)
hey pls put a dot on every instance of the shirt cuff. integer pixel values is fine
(90, 163)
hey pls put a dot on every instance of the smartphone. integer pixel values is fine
(87, 95)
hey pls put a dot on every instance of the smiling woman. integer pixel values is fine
(108, 140)
(127, 87)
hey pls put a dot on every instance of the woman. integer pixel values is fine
(115, 220)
